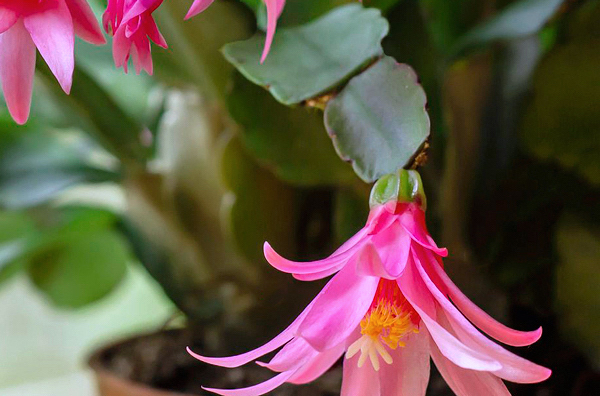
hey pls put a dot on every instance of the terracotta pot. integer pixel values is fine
(105, 364)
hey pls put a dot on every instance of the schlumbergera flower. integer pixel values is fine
(132, 25)
(390, 307)
(49, 25)
(274, 9)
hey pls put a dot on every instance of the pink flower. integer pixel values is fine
(132, 26)
(389, 308)
(274, 9)
(49, 25)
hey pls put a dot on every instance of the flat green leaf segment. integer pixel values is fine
(378, 122)
(517, 20)
(311, 59)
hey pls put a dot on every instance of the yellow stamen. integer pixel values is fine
(385, 325)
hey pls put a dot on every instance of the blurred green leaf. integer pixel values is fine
(351, 212)
(312, 59)
(92, 109)
(83, 271)
(16, 229)
(561, 122)
(577, 279)
(378, 122)
(519, 19)
(34, 167)
(292, 142)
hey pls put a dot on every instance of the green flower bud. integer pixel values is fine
(402, 186)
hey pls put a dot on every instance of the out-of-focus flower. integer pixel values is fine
(390, 307)
(132, 26)
(274, 9)
(49, 25)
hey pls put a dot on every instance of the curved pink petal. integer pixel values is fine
(153, 33)
(197, 7)
(467, 382)
(293, 355)
(239, 360)
(17, 67)
(338, 309)
(274, 7)
(415, 291)
(84, 22)
(8, 18)
(52, 32)
(318, 365)
(408, 375)
(413, 221)
(393, 247)
(368, 263)
(514, 368)
(142, 56)
(339, 258)
(478, 316)
(360, 381)
(255, 390)
(121, 49)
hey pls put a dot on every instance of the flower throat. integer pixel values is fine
(389, 319)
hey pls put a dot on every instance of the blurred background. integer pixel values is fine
(136, 207)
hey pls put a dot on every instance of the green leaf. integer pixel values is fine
(16, 230)
(90, 107)
(520, 19)
(561, 122)
(312, 59)
(291, 142)
(83, 271)
(34, 167)
(378, 122)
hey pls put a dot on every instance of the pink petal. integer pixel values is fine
(293, 355)
(197, 7)
(338, 309)
(416, 293)
(255, 390)
(318, 365)
(152, 31)
(361, 381)
(476, 315)
(274, 7)
(467, 382)
(121, 49)
(142, 55)
(338, 259)
(413, 222)
(7, 19)
(85, 23)
(52, 32)
(368, 263)
(514, 368)
(239, 360)
(408, 375)
(17, 67)
(393, 247)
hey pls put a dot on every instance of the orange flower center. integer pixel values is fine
(390, 319)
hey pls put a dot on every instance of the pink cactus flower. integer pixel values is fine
(389, 307)
(49, 25)
(132, 26)
(274, 9)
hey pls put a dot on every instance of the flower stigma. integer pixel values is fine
(389, 319)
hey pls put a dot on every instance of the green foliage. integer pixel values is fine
(314, 58)
(561, 122)
(291, 142)
(522, 18)
(36, 166)
(16, 231)
(379, 121)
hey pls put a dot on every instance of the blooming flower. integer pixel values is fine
(132, 26)
(390, 307)
(49, 25)
(274, 9)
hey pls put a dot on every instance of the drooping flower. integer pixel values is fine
(132, 25)
(274, 9)
(49, 25)
(389, 308)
